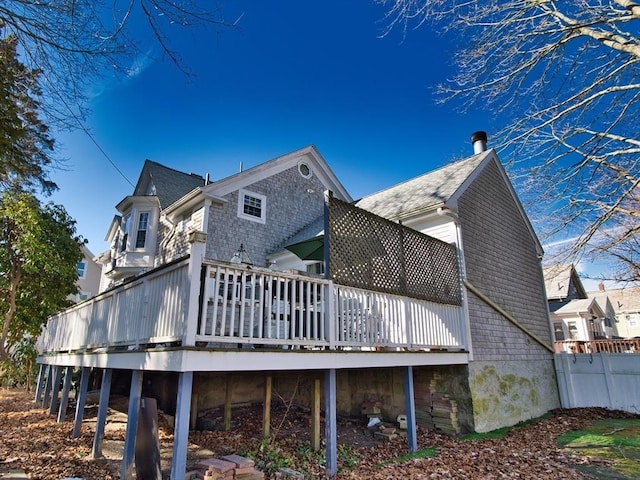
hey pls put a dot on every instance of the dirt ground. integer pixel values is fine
(32, 440)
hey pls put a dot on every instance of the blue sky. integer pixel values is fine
(294, 73)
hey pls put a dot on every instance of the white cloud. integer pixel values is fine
(140, 64)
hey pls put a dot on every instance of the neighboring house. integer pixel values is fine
(562, 284)
(215, 294)
(574, 316)
(623, 305)
(89, 274)
(581, 320)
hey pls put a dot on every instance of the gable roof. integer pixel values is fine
(440, 188)
(168, 184)
(559, 278)
(264, 170)
(425, 192)
(583, 305)
(623, 300)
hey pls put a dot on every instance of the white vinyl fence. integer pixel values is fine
(609, 380)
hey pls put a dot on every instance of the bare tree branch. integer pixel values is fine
(75, 42)
(562, 80)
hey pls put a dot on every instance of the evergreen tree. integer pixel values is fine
(25, 145)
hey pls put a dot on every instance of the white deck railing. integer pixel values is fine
(251, 307)
(366, 318)
(609, 345)
(151, 309)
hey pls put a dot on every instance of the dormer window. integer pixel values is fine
(252, 206)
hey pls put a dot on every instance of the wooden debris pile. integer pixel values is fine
(442, 415)
(385, 431)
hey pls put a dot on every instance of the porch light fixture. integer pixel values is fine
(241, 256)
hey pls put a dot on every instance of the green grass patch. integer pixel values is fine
(424, 453)
(616, 442)
(492, 435)
(502, 432)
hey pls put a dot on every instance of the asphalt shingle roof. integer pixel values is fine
(428, 190)
(576, 306)
(170, 184)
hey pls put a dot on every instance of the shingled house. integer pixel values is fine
(575, 316)
(423, 296)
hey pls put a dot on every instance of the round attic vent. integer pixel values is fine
(304, 169)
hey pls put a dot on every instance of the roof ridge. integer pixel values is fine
(191, 174)
(425, 174)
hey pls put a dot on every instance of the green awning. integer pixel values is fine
(311, 249)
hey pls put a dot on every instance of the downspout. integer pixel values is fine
(444, 211)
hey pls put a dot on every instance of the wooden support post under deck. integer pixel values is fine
(193, 417)
(266, 409)
(410, 405)
(55, 390)
(81, 401)
(315, 416)
(330, 423)
(66, 388)
(40, 382)
(47, 386)
(181, 430)
(135, 394)
(103, 407)
(227, 405)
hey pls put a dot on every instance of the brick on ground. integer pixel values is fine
(216, 465)
(286, 473)
(239, 461)
(385, 436)
(244, 470)
(255, 475)
(194, 475)
(213, 475)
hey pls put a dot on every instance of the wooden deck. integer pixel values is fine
(197, 315)
(187, 307)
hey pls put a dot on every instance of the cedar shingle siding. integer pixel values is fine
(292, 202)
(502, 262)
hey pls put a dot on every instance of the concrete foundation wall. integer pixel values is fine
(506, 393)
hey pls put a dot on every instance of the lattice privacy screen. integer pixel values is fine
(370, 252)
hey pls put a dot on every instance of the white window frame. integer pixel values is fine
(305, 165)
(84, 269)
(572, 327)
(558, 329)
(242, 194)
(138, 230)
(125, 226)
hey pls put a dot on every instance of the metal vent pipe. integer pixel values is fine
(479, 142)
